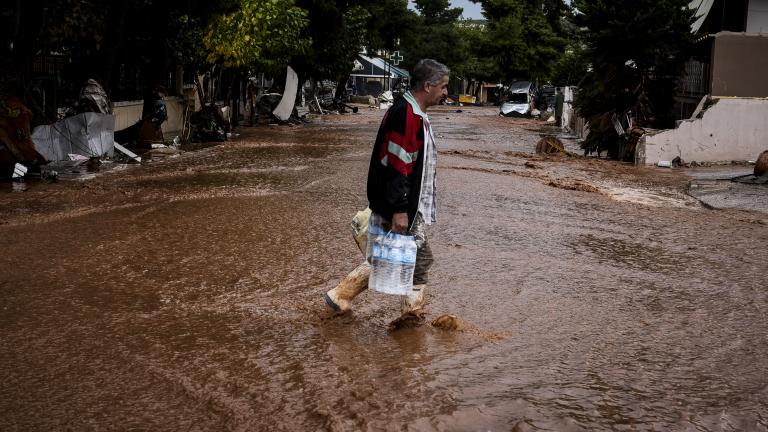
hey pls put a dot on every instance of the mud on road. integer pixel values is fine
(185, 294)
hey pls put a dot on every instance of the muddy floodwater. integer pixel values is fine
(185, 294)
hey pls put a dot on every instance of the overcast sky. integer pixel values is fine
(471, 10)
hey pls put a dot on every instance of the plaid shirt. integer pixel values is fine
(427, 204)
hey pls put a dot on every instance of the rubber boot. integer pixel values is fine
(415, 301)
(412, 308)
(340, 298)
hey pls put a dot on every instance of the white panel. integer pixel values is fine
(285, 107)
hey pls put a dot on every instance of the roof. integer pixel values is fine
(520, 87)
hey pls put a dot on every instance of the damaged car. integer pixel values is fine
(520, 99)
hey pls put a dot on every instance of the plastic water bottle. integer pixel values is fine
(409, 267)
(393, 261)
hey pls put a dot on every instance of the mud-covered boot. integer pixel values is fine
(340, 298)
(412, 308)
(415, 301)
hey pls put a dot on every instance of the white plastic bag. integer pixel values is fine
(392, 257)
(360, 229)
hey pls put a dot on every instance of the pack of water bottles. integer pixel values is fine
(392, 257)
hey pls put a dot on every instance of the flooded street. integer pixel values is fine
(186, 294)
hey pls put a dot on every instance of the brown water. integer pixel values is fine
(185, 294)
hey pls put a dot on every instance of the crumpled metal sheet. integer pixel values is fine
(88, 134)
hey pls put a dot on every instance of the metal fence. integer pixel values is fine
(694, 81)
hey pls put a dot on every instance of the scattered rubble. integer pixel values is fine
(574, 185)
(208, 124)
(550, 144)
(133, 156)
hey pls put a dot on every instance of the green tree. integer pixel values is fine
(572, 66)
(259, 34)
(390, 21)
(337, 31)
(437, 12)
(340, 29)
(474, 65)
(555, 11)
(434, 35)
(636, 50)
(520, 39)
(100, 37)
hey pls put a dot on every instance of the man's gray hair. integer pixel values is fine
(428, 71)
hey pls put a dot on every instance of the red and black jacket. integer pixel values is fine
(397, 162)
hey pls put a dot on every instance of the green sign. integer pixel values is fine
(396, 58)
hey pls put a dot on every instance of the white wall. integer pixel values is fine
(571, 121)
(731, 130)
(126, 113)
(129, 112)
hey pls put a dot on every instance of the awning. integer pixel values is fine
(378, 67)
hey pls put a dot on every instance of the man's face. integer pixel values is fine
(437, 92)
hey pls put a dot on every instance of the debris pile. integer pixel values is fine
(208, 124)
(17, 151)
(550, 145)
(147, 130)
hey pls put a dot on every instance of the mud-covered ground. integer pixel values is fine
(185, 293)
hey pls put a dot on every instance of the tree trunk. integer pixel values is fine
(341, 87)
(229, 98)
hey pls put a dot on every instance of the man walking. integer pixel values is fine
(401, 183)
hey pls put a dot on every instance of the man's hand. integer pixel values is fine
(400, 222)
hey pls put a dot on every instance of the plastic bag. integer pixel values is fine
(392, 257)
(360, 229)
